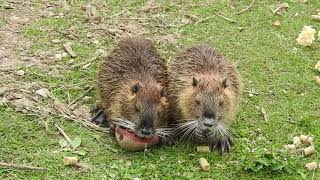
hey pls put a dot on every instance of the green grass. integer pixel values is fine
(271, 63)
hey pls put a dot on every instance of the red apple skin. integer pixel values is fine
(129, 141)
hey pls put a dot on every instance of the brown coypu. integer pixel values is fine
(205, 91)
(132, 83)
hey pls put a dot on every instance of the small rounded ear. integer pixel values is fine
(194, 82)
(163, 93)
(135, 88)
(225, 83)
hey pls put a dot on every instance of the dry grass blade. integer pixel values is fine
(84, 123)
(265, 114)
(246, 9)
(81, 96)
(226, 18)
(16, 166)
(64, 134)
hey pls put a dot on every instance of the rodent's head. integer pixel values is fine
(204, 98)
(145, 108)
(203, 105)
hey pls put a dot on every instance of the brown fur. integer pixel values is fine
(203, 83)
(134, 61)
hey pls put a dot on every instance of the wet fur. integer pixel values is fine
(202, 74)
(134, 61)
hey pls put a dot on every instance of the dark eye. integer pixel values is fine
(197, 102)
(221, 103)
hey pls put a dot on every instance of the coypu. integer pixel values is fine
(205, 91)
(132, 83)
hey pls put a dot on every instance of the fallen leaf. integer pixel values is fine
(63, 143)
(76, 142)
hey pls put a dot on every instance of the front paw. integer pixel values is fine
(223, 144)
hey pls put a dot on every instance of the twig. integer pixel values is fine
(204, 19)
(10, 165)
(83, 123)
(225, 18)
(81, 96)
(64, 134)
(246, 9)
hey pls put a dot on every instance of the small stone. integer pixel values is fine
(250, 95)
(20, 72)
(43, 92)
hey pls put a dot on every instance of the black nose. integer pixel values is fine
(146, 131)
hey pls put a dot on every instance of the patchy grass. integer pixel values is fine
(271, 63)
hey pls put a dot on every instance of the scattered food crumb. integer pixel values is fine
(311, 166)
(296, 141)
(277, 23)
(308, 151)
(306, 37)
(70, 161)
(58, 56)
(203, 149)
(20, 72)
(290, 148)
(204, 164)
(303, 138)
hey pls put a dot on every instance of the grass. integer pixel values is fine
(271, 63)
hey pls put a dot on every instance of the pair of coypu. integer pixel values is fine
(197, 95)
